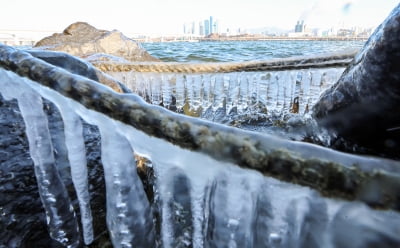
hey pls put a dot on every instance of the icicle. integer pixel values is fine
(129, 217)
(156, 89)
(128, 210)
(196, 86)
(207, 97)
(262, 88)
(231, 212)
(307, 219)
(166, 90)
(77, 158)
(60, 214)
(180, 90)
(212, 96)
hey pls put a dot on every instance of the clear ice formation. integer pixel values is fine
(74, 142)
(60, 214)
(202, 202)
(214, 96)
(128, 210)
(77, 158)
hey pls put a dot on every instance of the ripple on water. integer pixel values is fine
(243, 51)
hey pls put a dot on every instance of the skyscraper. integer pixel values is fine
(211, 25)
(194, 29)
(185, 28)
(201, 28)
(206, 27)
(216, 26)
(300, 27)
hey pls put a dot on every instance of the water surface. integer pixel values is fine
(244, 50)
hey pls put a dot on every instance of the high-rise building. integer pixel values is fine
(201, 28)
(206, 27)
(300, 27)
(194, 29)
(185, 28)
(216, 26)
(211, 25)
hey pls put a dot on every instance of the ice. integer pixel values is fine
(128, 210)
(60, 214)
(77, 158)
(244, 92)
(203, 202)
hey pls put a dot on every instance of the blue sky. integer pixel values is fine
(168, 16)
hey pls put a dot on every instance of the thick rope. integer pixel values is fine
(294, 63)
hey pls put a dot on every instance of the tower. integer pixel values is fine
(211, 25)
(201, 28)
(206, 27)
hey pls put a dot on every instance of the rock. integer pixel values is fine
(83, 40)
(362, 107)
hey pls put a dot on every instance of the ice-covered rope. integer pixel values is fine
(294, 63)
(371, 180)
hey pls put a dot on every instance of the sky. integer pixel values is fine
(168, 16)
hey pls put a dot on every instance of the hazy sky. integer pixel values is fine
(168, 16)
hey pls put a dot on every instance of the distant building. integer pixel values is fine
(194, 29)
(201, 28)
(185, 28)
(211, 25)
(206, 27)
(300, 27)
(216, 27)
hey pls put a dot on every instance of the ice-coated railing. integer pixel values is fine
(203, 196)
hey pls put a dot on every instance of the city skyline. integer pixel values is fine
(203, 27)
(168, 16)
(301, 28)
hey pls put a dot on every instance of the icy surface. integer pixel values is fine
(204, 202)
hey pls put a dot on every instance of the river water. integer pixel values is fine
(245, 50)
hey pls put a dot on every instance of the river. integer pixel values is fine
(244, 50)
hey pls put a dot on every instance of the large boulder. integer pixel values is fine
(83, 40)
(363, 107)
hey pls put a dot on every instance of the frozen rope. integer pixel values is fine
(293, 63)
